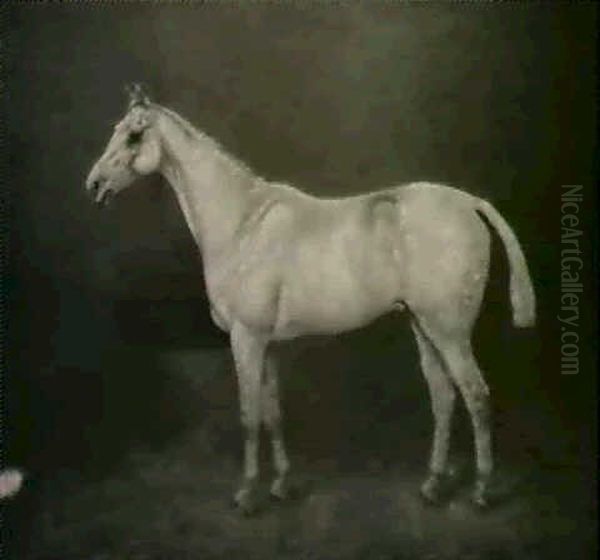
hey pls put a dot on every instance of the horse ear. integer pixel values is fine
(137, 95)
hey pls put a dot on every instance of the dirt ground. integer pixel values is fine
(169, 497)
(173, 504)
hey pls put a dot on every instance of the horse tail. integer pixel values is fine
(522, 296)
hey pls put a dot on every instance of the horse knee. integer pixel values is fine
(250, 422)
(251, 432)
(478, 403)
(443, 404)
(270, 412)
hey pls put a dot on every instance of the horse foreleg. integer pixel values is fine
(248, 353)
(271, 414)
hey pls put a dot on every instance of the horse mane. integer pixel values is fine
(208, 142)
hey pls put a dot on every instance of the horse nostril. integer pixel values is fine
(94, 187)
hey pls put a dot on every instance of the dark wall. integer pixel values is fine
(497, 100)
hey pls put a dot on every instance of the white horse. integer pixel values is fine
(280, 264)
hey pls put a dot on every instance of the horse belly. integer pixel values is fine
(335, 296)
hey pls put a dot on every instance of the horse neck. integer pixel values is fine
(212, 188)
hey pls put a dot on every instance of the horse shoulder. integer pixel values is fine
(270, 226)
(250, 278)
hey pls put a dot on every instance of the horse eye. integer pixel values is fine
(134, 138)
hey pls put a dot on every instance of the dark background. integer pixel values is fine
(496, 100)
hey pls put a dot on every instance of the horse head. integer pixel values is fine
(134, 149)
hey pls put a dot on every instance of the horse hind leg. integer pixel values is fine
(454, 347)
(438, 484)
(271, 416)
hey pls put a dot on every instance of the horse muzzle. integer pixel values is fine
(99, 189)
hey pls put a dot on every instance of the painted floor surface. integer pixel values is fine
(169, 497)
(172, 505)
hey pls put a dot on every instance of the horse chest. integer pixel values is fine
(247, 294)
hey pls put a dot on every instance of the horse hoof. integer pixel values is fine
(439, 487)
(480, 502)
(246, 505)
(279, 497)
(245, 500)
(431, 499)
(481, 497)
(248, 509)
(281, 490)
(432, 493)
